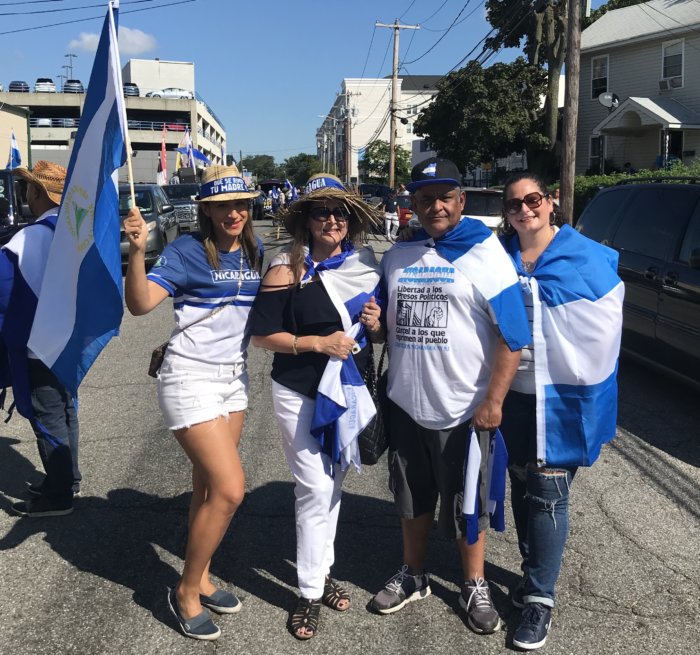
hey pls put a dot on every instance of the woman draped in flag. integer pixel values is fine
(213, 277)
(317, 311)
(562, 404)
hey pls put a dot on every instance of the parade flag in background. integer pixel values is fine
(162, 175)
(294, 195)
(80, 303)
(188, 150)
(195, 154)
(15, 159)
(179, 162)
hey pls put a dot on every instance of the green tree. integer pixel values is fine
(299, 168)
(262, 166)
(374, 164)
(480, 114)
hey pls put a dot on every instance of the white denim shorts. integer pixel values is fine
(192, 392)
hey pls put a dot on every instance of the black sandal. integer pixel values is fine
(334, 595)
(305, 617)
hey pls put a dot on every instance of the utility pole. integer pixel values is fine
(70, 56)
(573, 65)
(396, 26)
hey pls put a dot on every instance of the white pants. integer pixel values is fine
(391, 221)
(317, 494)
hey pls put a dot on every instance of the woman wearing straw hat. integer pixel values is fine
(318, 308)
(213, 277)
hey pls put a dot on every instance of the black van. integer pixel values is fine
(655, 227)
(13, 214)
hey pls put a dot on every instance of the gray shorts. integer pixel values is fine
(425, 465)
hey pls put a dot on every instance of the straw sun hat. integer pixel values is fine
(220, 183)
(47, 176)
(325, 186)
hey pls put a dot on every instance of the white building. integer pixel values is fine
(360, 115)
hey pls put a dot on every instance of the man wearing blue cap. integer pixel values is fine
(455, 322)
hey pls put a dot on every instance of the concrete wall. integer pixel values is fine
(151, 74)
(13, 119)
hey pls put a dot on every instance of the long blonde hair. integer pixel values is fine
(247, 240)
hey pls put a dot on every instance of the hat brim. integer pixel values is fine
(222, 197)
(419, 184)
(362, 212)
(30, 178)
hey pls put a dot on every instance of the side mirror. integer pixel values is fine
(167, 208)
(694, 259)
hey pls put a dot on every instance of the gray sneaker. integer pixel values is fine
(401, 589)
(475, 600)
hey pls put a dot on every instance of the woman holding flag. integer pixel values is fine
(317, 311)
(562, 404)
(213, 277)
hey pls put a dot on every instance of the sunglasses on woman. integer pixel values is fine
(323, 214)
(532, 200)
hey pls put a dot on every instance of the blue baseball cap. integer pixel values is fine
(434, 170)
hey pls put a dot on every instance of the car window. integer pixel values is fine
(482, 204)
(653, 218)
(599, 217)
(144, 201)
(691, 241)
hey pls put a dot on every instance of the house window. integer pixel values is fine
(409, 128)
(599, 76)
(672, 63)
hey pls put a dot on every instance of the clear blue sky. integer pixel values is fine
(268, 68)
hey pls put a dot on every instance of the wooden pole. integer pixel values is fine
(573, 65)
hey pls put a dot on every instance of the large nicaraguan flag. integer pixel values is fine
(343, 405)
(80, 304)
(477, 253)
(577, 325)
(15, 158)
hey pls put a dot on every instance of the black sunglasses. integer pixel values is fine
(323, 214)
(532, 200)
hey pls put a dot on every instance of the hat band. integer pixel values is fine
(322, 183)
(224, 185)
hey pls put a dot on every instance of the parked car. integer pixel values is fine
(655, 227)
(44, 85)
(180, 195)
(158, 213)
(40, 122)
(73, 86)
(18, 86)
(130, 89)
(11, 214)
(64, 122)
(374, 194)
(171, 92)
(485, 205)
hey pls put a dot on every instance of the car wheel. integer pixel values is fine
(155, 95)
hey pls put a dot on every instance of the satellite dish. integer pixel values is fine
(609, 100)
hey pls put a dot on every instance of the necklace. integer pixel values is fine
(529, 266)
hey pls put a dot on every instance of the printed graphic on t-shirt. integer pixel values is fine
(422, 307)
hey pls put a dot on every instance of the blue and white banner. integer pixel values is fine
(15, 158)
(477, 253)
(80, 305)
(577, 326)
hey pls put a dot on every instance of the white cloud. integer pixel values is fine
(131, 41)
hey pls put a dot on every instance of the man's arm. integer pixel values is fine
(487, 416)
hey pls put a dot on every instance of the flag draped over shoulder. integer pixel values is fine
(344, 406)
(577, 326)
(80, 303)
(476, 252)
(15, 158)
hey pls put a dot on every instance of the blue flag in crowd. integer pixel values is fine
(294, 195)
(15, 159)
(192, 154)
(80, 304)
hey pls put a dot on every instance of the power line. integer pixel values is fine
(413, 2)
(437, 11)
(84, 20)
(54, 11)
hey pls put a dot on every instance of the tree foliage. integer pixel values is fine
(299, 168)
(262, 166)
(480, 114)
(375, 163)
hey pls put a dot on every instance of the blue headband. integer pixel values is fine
(223, 185)
(321, 183)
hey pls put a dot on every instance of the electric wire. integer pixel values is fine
(54, 11)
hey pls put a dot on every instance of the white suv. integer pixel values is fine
(485, 205)
(44, 85)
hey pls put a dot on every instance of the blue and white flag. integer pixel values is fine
(192, 154)
(476, 252)
(343, 404)
(15, 158)
(189, 151)
(293, 192)
(492, 477)
(80, 304)
(577, 326)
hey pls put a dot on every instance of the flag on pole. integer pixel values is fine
(80, 302)
(162, 175)
(195, 154)
(188, 150)
(15, 159)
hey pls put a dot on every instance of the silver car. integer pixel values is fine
(171, 92)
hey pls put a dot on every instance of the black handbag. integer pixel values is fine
(374, 439)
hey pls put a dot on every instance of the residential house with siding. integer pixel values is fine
(648, 55)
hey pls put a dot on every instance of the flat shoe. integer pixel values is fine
(198, 627)
(221, 602)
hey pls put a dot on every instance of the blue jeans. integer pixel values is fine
(540, 501)
(55, 413)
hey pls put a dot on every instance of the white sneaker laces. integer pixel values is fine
(394, 584)
(480, 593)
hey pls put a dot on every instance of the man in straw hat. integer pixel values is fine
(455, 325)
(38, 395)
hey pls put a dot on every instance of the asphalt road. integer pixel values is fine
(94, 581)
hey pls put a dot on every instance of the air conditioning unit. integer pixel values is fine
(664, 85)
(676, 82)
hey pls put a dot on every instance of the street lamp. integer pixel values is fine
(70, 56)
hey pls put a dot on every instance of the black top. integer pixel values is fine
(390, 205)
(303, 311)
